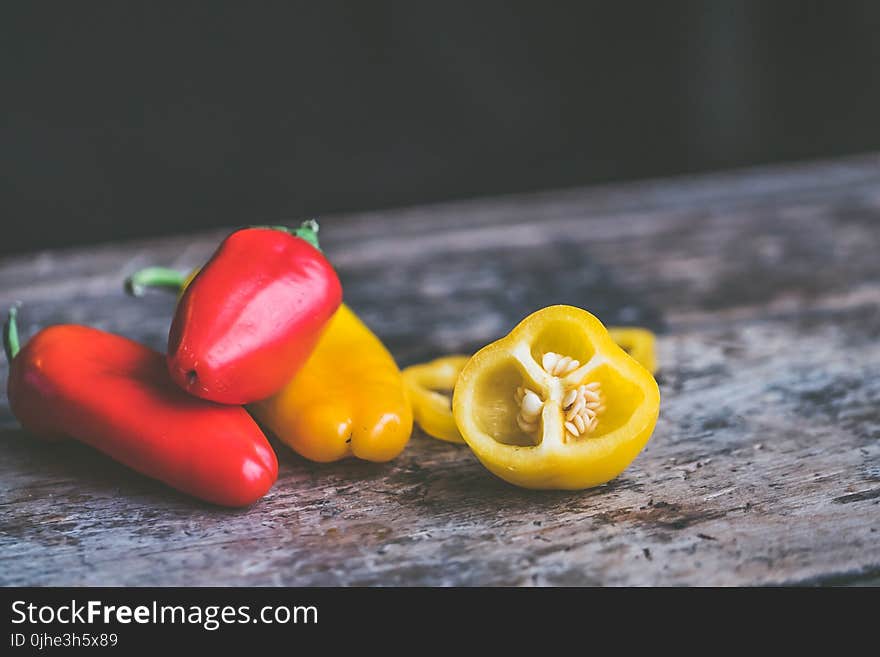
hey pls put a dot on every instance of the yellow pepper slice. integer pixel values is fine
(430, 388)
(638, 343)
(348, 399)
(556, 404)
(430, 384)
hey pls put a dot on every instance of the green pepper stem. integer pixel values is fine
(11, 344)
(138, 283)
(308, 231)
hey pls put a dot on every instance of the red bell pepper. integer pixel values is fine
(252, 315)
(116, 396)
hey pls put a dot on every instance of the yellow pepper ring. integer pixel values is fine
(556, 404)
(430, 388)
(638, 343)
(430, 384)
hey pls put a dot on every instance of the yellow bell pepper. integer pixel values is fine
(430, 390)
(430, 384)
(348, 399)
(556, 404)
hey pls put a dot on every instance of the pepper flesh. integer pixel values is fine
(348, 399)
(116, 396)
(252, 316)
(528, 443)
(430, 384)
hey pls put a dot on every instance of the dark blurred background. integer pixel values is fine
(122, 120)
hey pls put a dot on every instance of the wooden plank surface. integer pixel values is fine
(764, 468)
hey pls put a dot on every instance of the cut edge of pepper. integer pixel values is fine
(638, 422)
(640, 419)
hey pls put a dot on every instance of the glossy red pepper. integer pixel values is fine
(253, 315)
(116, 396)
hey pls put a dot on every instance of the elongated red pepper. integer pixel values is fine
(253, 315)
(116, 396)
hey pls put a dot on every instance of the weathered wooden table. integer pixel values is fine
(764, 468)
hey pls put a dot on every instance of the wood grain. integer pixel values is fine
(764, 469)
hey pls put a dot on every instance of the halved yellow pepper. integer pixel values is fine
(430, 384)
(556, 404)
